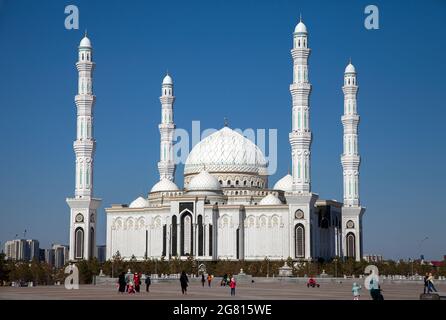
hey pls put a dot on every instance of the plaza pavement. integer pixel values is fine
(340, 290)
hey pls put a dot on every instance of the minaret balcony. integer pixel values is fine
(303, 88)
(297, 53)
(351, 162)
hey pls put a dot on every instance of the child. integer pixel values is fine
(232, 285)
(131, 287)
(355, 290)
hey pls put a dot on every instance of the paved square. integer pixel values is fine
(258, 290)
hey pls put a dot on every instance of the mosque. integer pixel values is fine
(226, 209)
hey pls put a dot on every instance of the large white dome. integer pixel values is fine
(285, 184)
(164, 185)
(139, 202)
(226, 151)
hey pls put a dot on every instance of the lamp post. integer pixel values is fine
(336, 267)
(267, 267)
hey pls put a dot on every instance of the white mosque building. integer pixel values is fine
(226, 210)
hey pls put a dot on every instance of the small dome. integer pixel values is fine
(139, 202)
(164, 185)
(204, 181)
(270, 200)
(85, 42)
(167, 79)
(350, 68)
(285, 184)
(300, 28)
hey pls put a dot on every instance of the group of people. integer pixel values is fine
(209, 279)
(229, 281)
(429, 283)
(131, 282)
(374, 287)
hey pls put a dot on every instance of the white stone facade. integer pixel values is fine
(226, 209)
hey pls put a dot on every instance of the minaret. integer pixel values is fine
(83, 206)
(351, 211)
(350, 120)
(301, 201)
(300, 136)
(166, 165)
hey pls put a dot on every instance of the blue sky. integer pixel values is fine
(228, 59)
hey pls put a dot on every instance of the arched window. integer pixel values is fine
(79, 243)
(221, 182)
(244, 183)
(229, 182)
(200, 236)
(88, 56)
(237, 182)
(82, 56)
(298, 43)
(174, 236)
(299, 233)
(351, 245)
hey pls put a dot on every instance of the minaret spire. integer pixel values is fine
(352, 212)
(300, 136)
(84, 206)
(350, 120)
(166, 165)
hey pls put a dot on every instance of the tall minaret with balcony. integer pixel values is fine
(166, 165)
(301, 201)
(83, 206)
(300, 136)
(352, 211)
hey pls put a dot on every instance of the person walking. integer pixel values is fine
(203, 280)
(232, 285)
(426, 283)
(148, 282)
(374, 289)
(128, 279)
(430, 284)
(209, 280)
(184, 282)
(355, 289)
(121, 282)
(137, 281)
